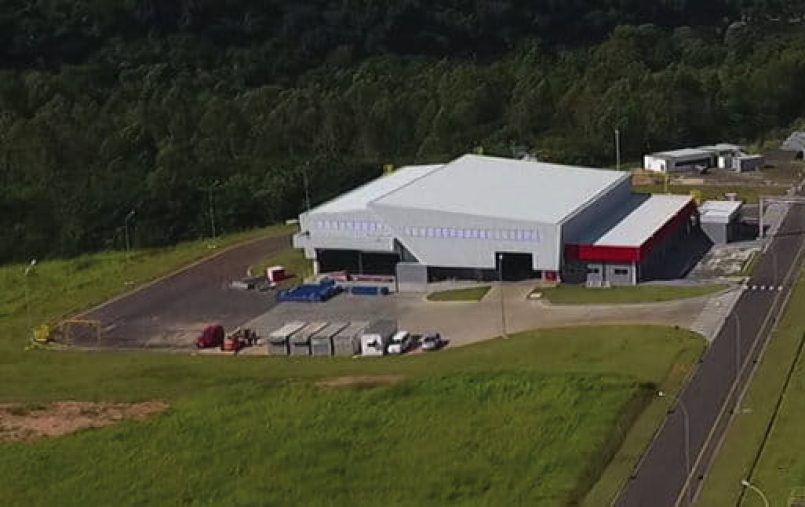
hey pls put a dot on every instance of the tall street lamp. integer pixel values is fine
(502, 298)
(618, 149)
(745, 483)
(129, 216)
(212, 211)
(737, 344)
(686, 426)
(28, 271)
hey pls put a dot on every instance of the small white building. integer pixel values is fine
(720, 220)
(686, 159)
(721, 155)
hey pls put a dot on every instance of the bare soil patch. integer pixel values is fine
(21, 422)
(361, 380)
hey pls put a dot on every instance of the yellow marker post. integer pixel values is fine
(388, 168)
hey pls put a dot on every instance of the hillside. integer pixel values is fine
(171, 108)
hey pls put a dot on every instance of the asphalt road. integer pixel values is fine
(170, 312)
(660, 478)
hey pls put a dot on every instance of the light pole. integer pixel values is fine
(745, 483)
(686, 429)
(618, 149)
(502, 298)
(129, 216)
(307, 186)
(28, 271)
(212, 211)
(737, 344)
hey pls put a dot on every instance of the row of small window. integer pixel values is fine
(452, 232)
(365, 227)
(597, 271)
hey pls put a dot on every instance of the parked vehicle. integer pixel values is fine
(212, 336)
(239, 339)
(375, 339)
(432, 342)
(400, 343)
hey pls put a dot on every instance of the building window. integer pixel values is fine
(593, 271)
(622, 272)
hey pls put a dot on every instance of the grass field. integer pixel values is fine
(782, 464)
(748, 194)
(580, 295)
(531, 420)
(471, 294)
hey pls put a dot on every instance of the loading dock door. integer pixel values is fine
(515, 266)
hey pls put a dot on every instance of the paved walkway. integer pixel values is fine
(714, 313)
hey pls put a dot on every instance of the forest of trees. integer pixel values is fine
(108, 107)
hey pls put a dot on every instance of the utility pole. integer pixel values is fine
(28, 271)
(618, 149)
(305, 183)
(502, 297)
(129, 216)
(686, 429)
(212, 211)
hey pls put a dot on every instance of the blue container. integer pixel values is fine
(369, 290)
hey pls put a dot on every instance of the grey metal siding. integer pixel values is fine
(475, 252)
(576, 227)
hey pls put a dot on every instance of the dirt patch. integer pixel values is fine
(361, 381)
(20, 422)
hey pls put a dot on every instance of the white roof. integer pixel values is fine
(357, 199)
(644, 220)
(684, 152)
(722, 147)
(719, 211)
(505, 188)
(796, 142)
(287, 329)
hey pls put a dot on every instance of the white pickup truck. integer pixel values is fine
(400, 343)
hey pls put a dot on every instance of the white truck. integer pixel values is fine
(400, 343)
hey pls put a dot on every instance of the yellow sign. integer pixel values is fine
(42, 334)
(388, 168)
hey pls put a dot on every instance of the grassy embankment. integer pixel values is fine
(470, 294)
(529, 420)
(580, 295)
(748, 194)
(781, 467)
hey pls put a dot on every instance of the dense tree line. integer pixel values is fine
(106, 107)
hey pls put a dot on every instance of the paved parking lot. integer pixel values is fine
(464, 323)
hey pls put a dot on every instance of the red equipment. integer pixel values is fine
(212, 336)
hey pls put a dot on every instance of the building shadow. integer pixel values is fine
(682, 257)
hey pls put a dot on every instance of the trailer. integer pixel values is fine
(348, 341)
(321, 343)
(299, 342)
(278, 341)
(375, 339)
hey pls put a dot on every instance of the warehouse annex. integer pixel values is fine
(479, 218)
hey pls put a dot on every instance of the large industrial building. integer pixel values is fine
(483, 217)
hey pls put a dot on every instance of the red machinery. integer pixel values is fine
(212, 336)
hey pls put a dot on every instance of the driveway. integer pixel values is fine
(170, 312)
